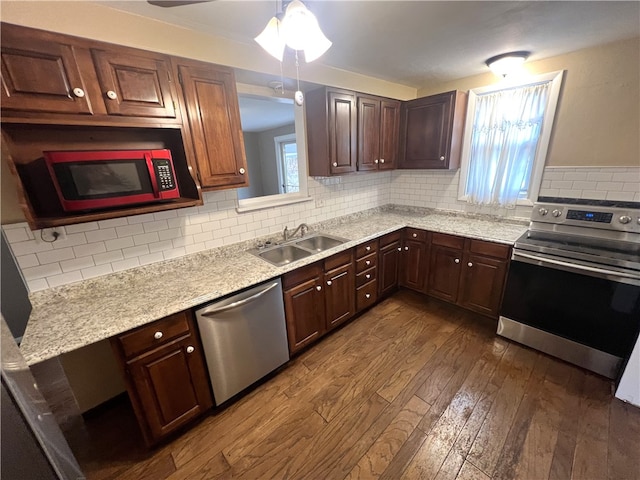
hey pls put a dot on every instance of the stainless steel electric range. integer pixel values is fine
(573, 287)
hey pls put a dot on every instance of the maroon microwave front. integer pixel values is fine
(92, 180)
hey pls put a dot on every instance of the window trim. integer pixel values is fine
(278, 143)
(555, 78)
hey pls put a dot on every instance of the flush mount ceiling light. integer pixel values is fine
(298, 29)
(507, 63)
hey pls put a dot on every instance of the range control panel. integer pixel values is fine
(622, 219)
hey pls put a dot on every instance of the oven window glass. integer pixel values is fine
(597, 312)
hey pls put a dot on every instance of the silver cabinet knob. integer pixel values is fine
(382, 160)
(625, 219)
(368, 247)
(442, 158)
(367, 295)
(399, 249)
(78, 92)
(242, 170)
(319, 287)
(457, 260)
(367, 276)
(190, 349)
(406, 248)
(329, 282)
(157, 335)
(414, 235)
(367, 263)
(112, 95)
(335, 164)
(469, 264)
(375, 161)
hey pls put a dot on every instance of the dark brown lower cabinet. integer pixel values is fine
(318, 297)
(389, 255)
(470, 273)
(414, 262)
(165, 374)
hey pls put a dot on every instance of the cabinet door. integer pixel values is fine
(171, 386)
(368, 133)
(214, 120)
(343, 132)
(389, 266)
(304, 308)
(482, 284)
(135, 85)
(389, 133)
(444, 272)
(339, 294)
(414, 265)
(39, 75)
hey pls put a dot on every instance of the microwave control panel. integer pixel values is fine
(164, 174)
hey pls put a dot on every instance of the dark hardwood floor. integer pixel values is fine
(414, 388)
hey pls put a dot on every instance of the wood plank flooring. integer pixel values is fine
(414, 388)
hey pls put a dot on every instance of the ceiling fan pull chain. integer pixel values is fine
(298, 97)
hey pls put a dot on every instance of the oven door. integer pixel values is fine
(585, 314)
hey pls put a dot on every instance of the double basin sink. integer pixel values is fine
(297, 249)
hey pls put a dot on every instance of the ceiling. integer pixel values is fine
(416, 43)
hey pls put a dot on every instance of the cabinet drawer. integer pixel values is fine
(154, 334)
(366, 276)
(415, 234)
(367, 295)
(367, 262)
(366, 248)
(389, 238)
(301, 275)
(445, 240)
(338, 260)
(489, 249)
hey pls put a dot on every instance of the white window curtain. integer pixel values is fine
(504, 140)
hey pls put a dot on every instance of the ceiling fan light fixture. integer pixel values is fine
(298, 29)
(507, 63)
(271, 39)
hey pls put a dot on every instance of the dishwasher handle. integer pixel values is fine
(211, 311)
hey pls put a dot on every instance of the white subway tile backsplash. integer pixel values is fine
(155, 226)
(81, 227)
(26, 261)
(119, 243)
(30, 246)
(129, 230)
(165, 215)
(113, 222)
(103, 234)
(151, 258)
(135, 251)
(125, 264)
(192, 229)
(17, 235)
(70, 240)
(96, 271)
(89, 249)
(55, 256)
(108, 257)
(174, 253)
(37, 284)
(146, 217)
(41, 271)
(170, 234)
(160, 246)
(146, 238)
(64, 278)
(77, 264)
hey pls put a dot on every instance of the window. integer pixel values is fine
(505, 142)
(287, 163)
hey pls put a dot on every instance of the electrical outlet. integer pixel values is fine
(319, 202)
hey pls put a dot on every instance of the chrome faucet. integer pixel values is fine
(303, 227)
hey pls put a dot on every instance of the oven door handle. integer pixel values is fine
(601, 272)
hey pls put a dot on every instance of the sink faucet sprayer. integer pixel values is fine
(303, 227)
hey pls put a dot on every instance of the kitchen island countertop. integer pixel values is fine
(72, 316)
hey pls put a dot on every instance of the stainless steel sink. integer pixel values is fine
(319, 242)
(283, 254)
(297, 249)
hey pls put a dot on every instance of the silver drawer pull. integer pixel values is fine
(375, 161)
(414, 235)
(190, 349)
(368, 248)
(368, 262)
(329, 282)
(367, 276)
(78, 92)
(469, 264)
(406, 248)
(367, 295)
(157, 335)
(242, 170)
(112, 95)
(399, 249)
(335, 164)
(382, 160)
(457, 260)
(319, 287)
(442, 158)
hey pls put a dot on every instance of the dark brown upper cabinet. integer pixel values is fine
(135, 85)
(431, 131)
(332, 132)
(39, 75)
(378, 130)
(213, 120)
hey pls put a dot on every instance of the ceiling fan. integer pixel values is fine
(175, 3)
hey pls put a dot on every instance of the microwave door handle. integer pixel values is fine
(152, 174)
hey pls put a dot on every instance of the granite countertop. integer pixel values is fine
(72, 316)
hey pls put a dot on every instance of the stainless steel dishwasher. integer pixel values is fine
(244, 338)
